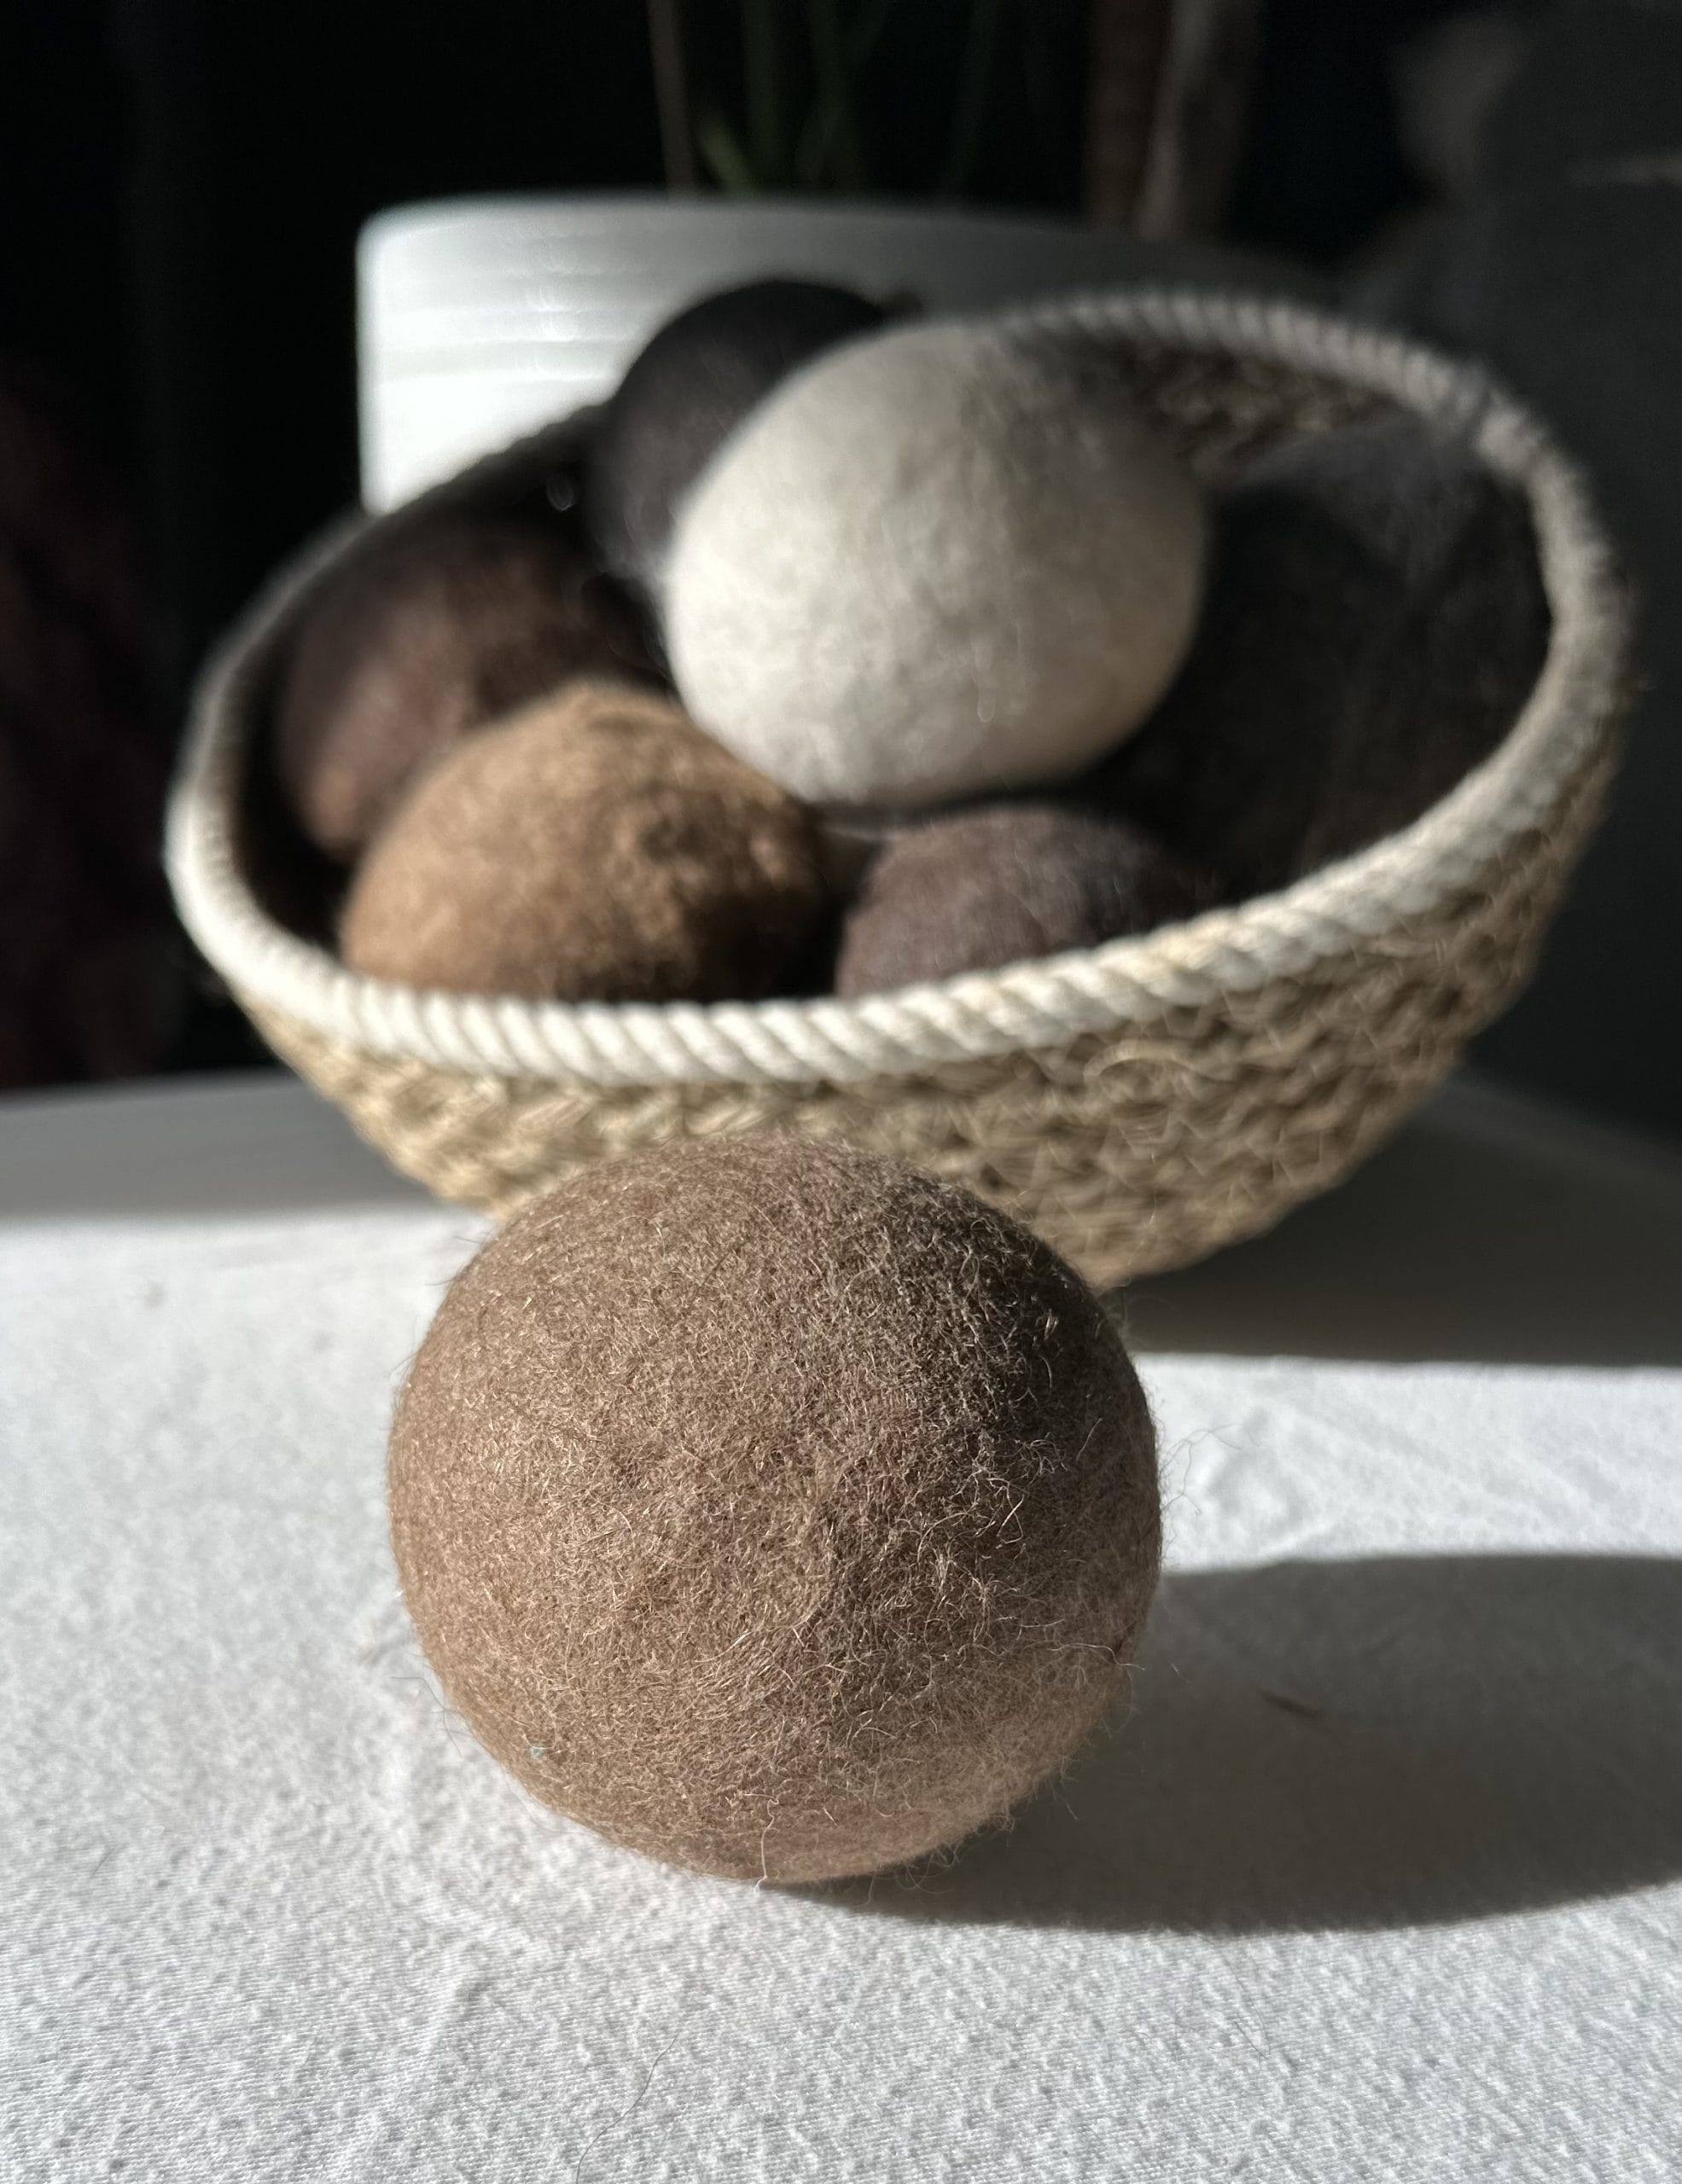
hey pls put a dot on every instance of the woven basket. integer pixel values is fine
(1140, 1103)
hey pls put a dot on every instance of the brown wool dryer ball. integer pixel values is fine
(773, 1510)
(452, 624)
(1003, 883)
(596, 847)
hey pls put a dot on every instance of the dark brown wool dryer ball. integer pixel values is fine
(686, 391)
(448, 626)
(773, 1510)
(1374, 622)
(1003, 883)
(596, 847)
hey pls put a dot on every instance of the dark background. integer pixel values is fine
(182, 182)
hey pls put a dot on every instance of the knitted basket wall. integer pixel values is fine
(1140, 1103)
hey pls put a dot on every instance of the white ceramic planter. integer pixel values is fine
(481, 319)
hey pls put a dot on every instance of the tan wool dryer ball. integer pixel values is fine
(946, 560)
(596, 847)
(773, 1510)
(449, 624)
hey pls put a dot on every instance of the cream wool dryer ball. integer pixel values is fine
(952, 559)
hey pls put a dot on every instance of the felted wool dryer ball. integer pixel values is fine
(1005, 882)
(596, 847)
(457, 621)
(686, 392)
(948, 560)
(1376, 620)
(773, 1510)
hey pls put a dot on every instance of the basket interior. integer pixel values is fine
(1218, 410)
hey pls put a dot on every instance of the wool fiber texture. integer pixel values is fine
(1376, 620)
(596, 847)
(773, 1510)
(455, 623)
(947, 561)
(684, 395)
(1003, 883)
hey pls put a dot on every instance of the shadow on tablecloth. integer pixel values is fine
(1489, 1231)
(1389, 1743)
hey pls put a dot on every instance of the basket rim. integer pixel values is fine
(1035, 1005)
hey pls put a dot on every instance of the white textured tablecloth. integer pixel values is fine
(1384, 1880)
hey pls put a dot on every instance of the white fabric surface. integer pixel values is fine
(1380, 1883)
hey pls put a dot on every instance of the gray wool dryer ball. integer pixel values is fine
(953, 560)
(1376, 620)
(686, 392)
(1004, 883)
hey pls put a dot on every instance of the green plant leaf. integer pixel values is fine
(722, 152)
(762, 78)
(829, 141)
(970, 105)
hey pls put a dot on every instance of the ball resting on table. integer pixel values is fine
(773, 1510)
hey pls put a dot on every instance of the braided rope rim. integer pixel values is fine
(1039, 1004)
